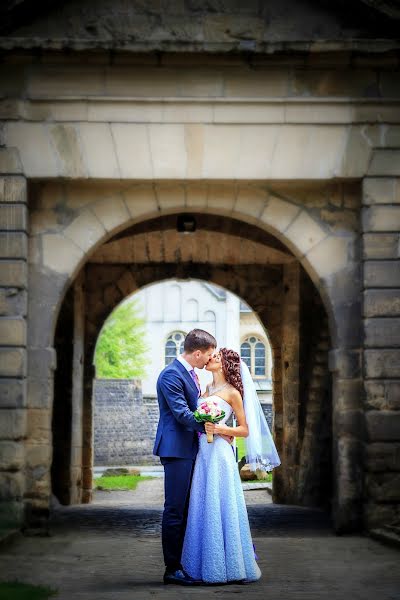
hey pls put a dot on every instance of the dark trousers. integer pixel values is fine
(178, 476)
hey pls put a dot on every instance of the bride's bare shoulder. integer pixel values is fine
(234, 394)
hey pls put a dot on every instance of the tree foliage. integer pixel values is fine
(121, 350)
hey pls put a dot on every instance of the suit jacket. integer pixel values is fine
(177, 428)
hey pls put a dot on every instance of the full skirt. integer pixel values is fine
(218, 547)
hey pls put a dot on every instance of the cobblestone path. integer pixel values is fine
(111, 550)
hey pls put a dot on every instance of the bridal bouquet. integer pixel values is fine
(209, 410)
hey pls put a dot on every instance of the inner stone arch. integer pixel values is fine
(253, 265)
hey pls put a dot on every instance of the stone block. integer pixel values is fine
(381, 457)
(168, 151)
(13, 301)
(12, 362)
(383, 487)
(133, 150)
(382, 394)
(39, 392)
(13, 331)
(38, 455)
(382, 332)
(12, 455)
(382, 363)
(345, 362)
(111, 212)
(382, 273)
(39, 425)
(35, 149)
(11, 514)
(85, 231)
(41, 362)
(381, 245)
(13, 423)
(381, 190)
(12, 485)
(10, 162)
(13, 217)
(140, 200)
(385, 162)
(329, 256)
(278, 214)
(383, 425)
(12, 393)
(305, 232)
(98, 150)
(13, 273)
(13, 245)
(60, 254)
(377, 514)
(347, 394)
(349, 422)
(381, 218)
(13, 189)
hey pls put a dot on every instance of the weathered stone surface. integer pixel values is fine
(13, 245)
(381, 245)
(385, 162)
(12, 424)
(382, 190)
(12, 362)
(12, 393)
(347, 394)
(380, 303)
(41, 362)
(381, 457)
(38, 425)
(13, 331)
(13, 217)
(383, 425)
(382, 363)
(13, 273)
(13, 301)
(12, 485)
(12, 456)
(382, 273)
(381, 218)
(382, 394)
(382, 332)
(10, 162)
(377, 514)
(383, 487)
(13, 189)
(349, 422)
(39, 392)
(346, 362)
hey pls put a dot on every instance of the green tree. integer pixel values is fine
(121, 350)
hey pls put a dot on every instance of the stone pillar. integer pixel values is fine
(13, 354)
(381, 312)
(347, 438)
(77, 391)
(290, 378)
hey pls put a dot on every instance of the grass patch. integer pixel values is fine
(15, 590)
(241, 452)
(120, 482)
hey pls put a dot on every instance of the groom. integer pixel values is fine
(176, 444)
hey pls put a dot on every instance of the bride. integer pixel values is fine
(218, 547)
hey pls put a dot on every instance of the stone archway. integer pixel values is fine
(70, 222)
(93, 215)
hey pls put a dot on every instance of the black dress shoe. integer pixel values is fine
(180, 578)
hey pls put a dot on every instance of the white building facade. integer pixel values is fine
(172, 308)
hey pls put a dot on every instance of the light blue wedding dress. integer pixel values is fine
(218, 547)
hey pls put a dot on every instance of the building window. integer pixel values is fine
(174, 346)
(252, 352)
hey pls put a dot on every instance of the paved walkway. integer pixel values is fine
(111, 550)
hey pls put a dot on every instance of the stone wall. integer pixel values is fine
(125, 423)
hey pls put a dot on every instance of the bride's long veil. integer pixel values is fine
(261, 452)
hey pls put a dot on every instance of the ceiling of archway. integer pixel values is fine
(169, 246)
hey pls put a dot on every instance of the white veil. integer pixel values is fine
(261, 452)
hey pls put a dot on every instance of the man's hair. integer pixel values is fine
(198, 339)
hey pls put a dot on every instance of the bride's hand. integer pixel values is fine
(228, 438)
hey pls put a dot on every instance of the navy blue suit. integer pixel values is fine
(176, 444)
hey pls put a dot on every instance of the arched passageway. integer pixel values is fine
(246, 261)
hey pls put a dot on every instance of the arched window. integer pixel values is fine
(174, 346)
(252, 352)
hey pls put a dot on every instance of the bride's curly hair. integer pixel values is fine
(231, 368)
